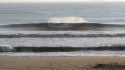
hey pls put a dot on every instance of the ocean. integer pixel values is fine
(37, 29)
(21, 13)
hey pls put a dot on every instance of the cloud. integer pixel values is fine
(114, 0)
(42, 0)
(58, 0)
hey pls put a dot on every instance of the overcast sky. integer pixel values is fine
(56, 0)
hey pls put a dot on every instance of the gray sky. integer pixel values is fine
(57, 0)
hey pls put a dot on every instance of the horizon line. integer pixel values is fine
(66, 2)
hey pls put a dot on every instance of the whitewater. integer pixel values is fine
(23, 43)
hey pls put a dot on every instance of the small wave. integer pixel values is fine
(6, 48)
(65, 35)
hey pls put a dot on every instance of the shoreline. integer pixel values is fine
(62, 63)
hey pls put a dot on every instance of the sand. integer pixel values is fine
(62, 63)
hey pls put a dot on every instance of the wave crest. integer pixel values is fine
(67, 20)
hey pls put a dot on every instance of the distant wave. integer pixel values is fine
(65, 35)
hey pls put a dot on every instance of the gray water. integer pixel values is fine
(21, 13)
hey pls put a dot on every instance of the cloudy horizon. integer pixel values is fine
(59, 0)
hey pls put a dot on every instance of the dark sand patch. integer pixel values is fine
(109, 66)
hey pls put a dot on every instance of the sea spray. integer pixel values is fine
(62, 22)
(67, 20)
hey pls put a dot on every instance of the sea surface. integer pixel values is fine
(21, 13)
(25, 29)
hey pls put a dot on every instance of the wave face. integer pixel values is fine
(62, 27)
(60, 49)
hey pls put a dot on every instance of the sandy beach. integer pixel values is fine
(62, 63)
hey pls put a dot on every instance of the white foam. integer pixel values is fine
(79, 53)
(6, 48)
(67, 20)
(63, 41)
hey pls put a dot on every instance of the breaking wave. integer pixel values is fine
(67, 20)
(62, 27)
(6, 48)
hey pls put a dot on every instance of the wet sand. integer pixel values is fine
(62, 63)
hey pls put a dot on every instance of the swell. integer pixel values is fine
(65, 35)
(68, 49)
(76, 26)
